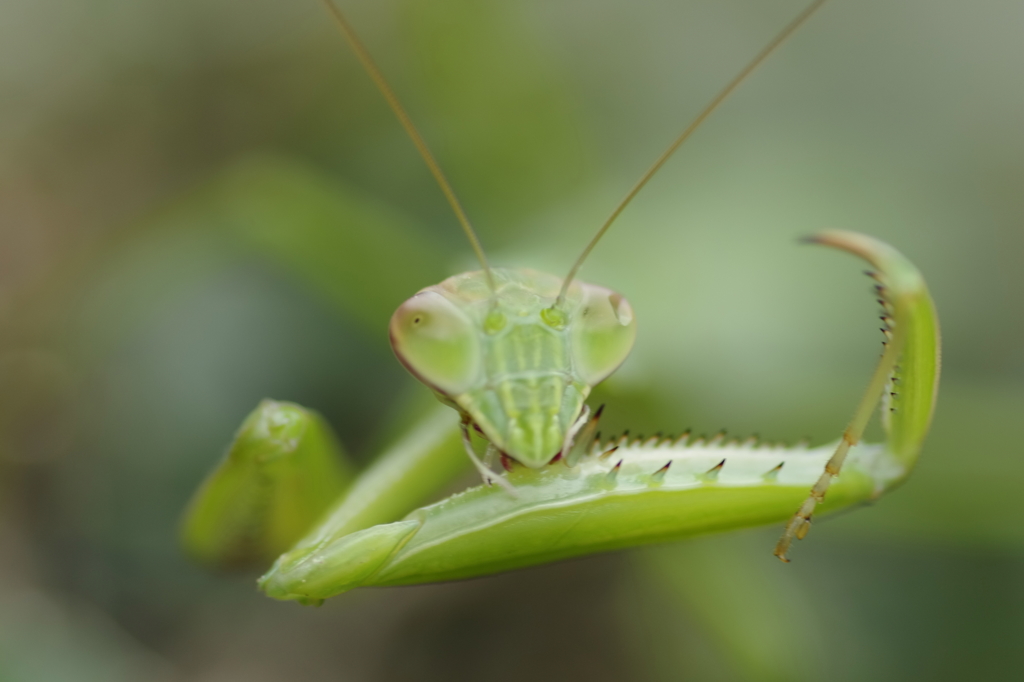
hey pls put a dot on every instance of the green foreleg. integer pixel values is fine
(405, 475)
(908, 369)
(281, 472)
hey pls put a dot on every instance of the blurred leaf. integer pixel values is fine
(509, 129)
(361, 255)
(46, 640)
(754, 614)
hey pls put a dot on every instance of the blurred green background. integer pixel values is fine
(204, 203)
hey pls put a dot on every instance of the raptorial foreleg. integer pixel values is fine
(909, 324)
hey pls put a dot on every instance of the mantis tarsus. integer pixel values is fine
(516, 352)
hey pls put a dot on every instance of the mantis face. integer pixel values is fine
(517, 366)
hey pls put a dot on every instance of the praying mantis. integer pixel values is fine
(516, 353)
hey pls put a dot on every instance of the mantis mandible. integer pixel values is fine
(516, 353)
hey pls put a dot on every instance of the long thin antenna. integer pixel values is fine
(378, 78)
(689, 130)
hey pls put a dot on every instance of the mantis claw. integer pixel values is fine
(910, 358)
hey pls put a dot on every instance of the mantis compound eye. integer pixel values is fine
(436, 342)
(602, 333)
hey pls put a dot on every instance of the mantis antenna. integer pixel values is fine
(683, 136)
(435, 169)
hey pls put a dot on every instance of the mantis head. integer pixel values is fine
(517, 351)
(516, 361)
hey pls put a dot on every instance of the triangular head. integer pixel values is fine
(516, 364)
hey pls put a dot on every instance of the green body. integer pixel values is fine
(511, 361)
(516, 356)
(619, 494)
